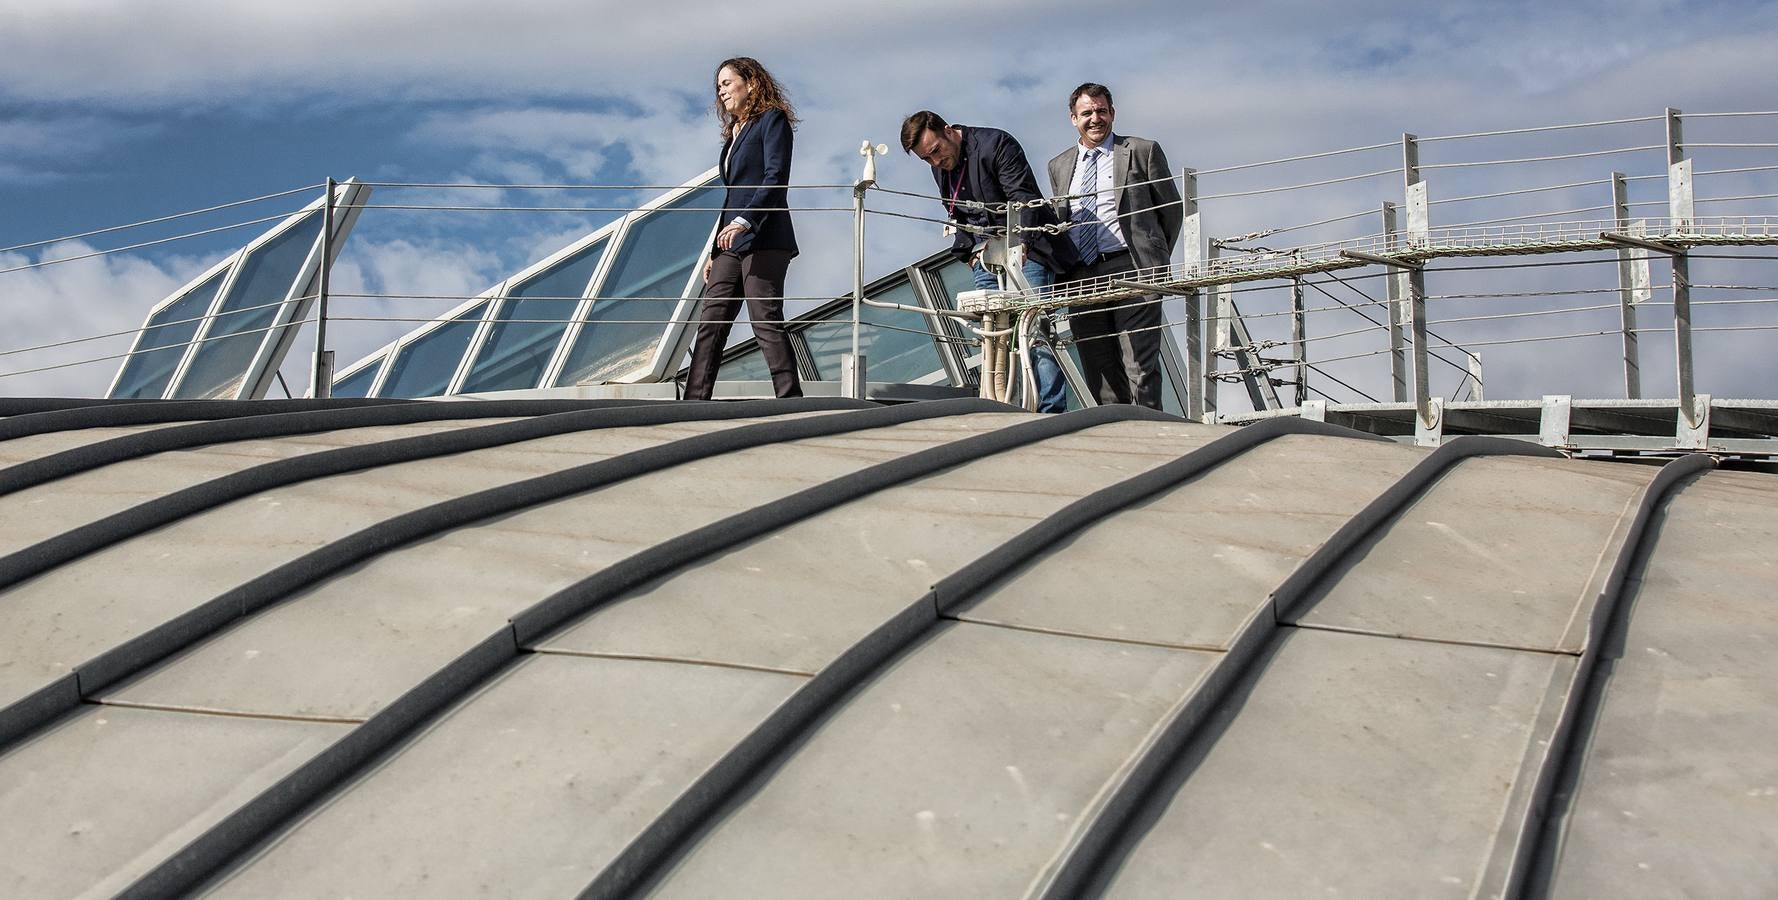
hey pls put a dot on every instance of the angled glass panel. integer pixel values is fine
(266, 281)
(162, 344)
(894, 342)
(529, 324)
(628, 320)
(358, 383)
(749, 366)
(956, 278)
(1170, 396)
(424, 368)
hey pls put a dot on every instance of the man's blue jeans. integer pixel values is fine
(1051, 387)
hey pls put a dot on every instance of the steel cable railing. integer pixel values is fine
(1520, 219)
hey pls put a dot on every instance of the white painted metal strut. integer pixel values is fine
(1520, 240)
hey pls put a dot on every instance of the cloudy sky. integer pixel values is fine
(113, 112)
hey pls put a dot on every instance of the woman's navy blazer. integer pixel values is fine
(759, 162)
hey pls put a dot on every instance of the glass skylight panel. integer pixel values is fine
(956, 277)
(749, 366)
(649, 278)
(357, 384)
(529, 325)
(162, 342)
(425, 366)
(903, 352)
(266, 279)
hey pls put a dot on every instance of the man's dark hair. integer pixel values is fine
(918, 123)
(1091, 90)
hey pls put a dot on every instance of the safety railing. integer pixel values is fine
(1555, 249)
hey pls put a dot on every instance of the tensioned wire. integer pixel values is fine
(155, 327)
(167, 218)
(212, 338)
(137, 246)
(601, 187)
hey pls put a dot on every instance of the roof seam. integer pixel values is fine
(678, 660)
(222, 713)
(1419, 639)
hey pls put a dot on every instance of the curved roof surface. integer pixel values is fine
(811, 648)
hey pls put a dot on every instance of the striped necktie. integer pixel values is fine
(1085, 232)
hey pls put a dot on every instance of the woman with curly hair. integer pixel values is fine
(756, 242)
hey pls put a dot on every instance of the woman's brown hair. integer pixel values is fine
(763, 93)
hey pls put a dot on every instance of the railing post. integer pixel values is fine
(1680, 215)
(323, 368)
(1395, 287)
(1630, 264)
(1419, 235)
(1216, 335)
(852, 365)
(1298, 340)
(1192, 248)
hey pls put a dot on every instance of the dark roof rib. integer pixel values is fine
(700, 803)
(1097, 846)
(74, 543)
(29, 420)
(283, 423)
(237, 834)
(24, 716)
(1530, 859)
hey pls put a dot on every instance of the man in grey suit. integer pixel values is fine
(1125, 214)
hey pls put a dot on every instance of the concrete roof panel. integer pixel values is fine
(740, 607)
(390, 622)
(91, 804)
(1679, 795)
(1358, 765)
(24, 449)
(1461, 564)
(1188, 567)
(67, 615)
(526, 789)
(958, 773)
(42, 512)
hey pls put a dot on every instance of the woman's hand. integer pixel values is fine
(726, 237)
(709, 264)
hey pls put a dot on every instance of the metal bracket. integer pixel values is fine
(1313, 410)
(1693, 432)
(1429, 430)
(1553, 428)
(1630, 240)
(1383, 260)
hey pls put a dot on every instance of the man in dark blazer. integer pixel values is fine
(987, 165)
(1125, 214)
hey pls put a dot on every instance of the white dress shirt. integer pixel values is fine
(1104, 199)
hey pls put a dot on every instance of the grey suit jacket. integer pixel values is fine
(1150, 215)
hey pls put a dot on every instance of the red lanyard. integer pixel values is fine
(956, 188)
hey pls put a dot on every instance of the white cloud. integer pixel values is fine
(74, 300)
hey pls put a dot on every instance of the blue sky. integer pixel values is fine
(112, 112)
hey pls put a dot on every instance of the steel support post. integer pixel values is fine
(322, 375)
(1216, 336)
(1395, 286)
(1298, 336)
(1627, 260)
(852, 367)
(1418, 236)
(1680, 215)
(1191, 243)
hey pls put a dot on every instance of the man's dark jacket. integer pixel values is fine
(996, 171)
